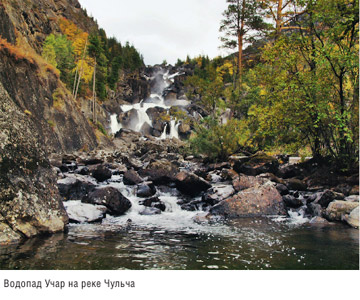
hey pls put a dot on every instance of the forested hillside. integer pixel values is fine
(291, 87)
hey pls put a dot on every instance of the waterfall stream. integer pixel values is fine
(161, 81)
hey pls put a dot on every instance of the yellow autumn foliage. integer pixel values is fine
(78, 39)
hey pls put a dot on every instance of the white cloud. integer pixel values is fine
(162, 29)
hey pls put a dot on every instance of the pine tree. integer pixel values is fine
(96, 50)
(242, 22)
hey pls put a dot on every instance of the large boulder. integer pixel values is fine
(325, 197)
(160, 172)
(157, 115)
(131, 177)
(116, 203)
(75, 187)
(102, 173)
(244, 182)
(289, 171)
(190, 184)
(255, 201)
(296, 184)
(292, 201)
(83, 212)
(337, 210)
(184, 130)
(146, 189)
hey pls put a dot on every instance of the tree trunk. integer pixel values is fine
(279, 18)
(94, 94)
(241, 39)
(80, 72)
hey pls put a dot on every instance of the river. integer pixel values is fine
(256, 244)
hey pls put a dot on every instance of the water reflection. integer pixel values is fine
(245, 244)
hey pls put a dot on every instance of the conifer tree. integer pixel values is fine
(242, 22)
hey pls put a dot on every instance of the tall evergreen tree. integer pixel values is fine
(97, 51)
(242, 22)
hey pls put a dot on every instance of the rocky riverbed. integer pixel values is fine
(142, 170)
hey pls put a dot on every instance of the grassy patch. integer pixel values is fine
(51, 123)
(59, 98)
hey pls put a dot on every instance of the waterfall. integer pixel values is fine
(174, 133)
(114, 125)
(162, 81)
(143, 117)
(163, 135)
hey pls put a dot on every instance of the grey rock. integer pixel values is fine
(131, 177)
(116, 203)
(353, 218)
(83, 212)
(101, 173)
(256, 201)
(75, 186)
(337, 210)
(218, 193)
(146, 189)
(191, 184)
(291, 201)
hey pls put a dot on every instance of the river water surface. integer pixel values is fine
(239, 245)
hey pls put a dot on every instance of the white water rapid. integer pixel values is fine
(173, 218)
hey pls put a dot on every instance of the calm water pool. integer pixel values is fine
(238, 245)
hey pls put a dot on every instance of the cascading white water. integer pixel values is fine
(174, 132)
(115, 126)
(172, 218)
(164, 135)
(155, 100)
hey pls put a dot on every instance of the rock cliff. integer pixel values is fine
(37, 116)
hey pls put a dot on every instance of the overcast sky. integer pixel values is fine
(162, 29)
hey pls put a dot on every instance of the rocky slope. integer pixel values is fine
(37, 117)
(29, 200)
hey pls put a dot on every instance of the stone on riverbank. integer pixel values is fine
(116, 203)
(146, 189)
(75, 186)
(353, 218)
(191, 184)
(160, 172)
(218, 193)
(83, 212)
(337, 210)
(255, 201)
(101, 173)
(244, 182)
(131, 177)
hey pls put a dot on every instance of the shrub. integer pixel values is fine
(219, 141)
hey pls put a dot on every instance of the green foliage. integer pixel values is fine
(179, 63)
(59, 52)
(242, 17)
(65, 52)
(208, 89)
(309, 84)
(219, 141)
(180, 115)
(49, 53)
(101, 128)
